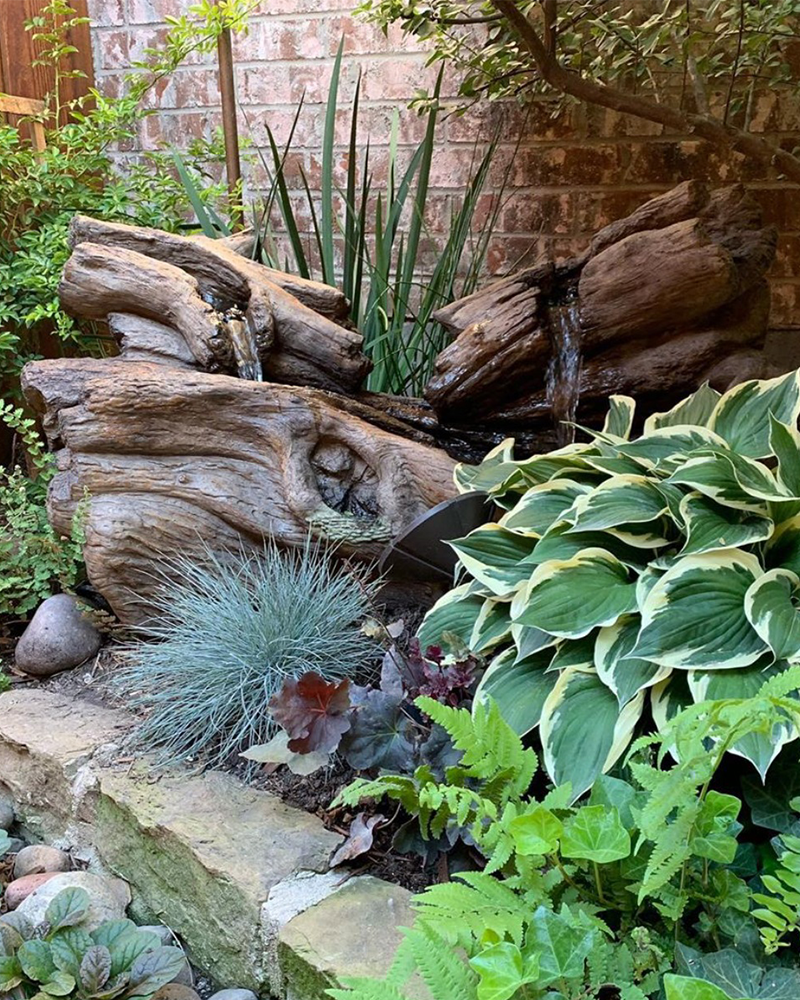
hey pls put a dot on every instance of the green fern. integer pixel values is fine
(779, 913)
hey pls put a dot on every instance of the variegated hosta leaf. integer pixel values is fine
(578, 653)
(665, 448)
(492, 626)
(582, 729)
(760, 749)
(529, 640)
(783, 549)
(694, 617)
(519, 687)
(496, 466)
(493, 554)
(542, 506)
(620, 500)
(570, 597)
(770, 607)
(625, 677)
(718, 475)
(619, 419)
(648, 579)
(562, 543)
(556, 464)
(669, 697)
(615, 465)
(695, 409)
(784, 443)
(711, 526)
(742, 415)
(456, 612)
(648, 535)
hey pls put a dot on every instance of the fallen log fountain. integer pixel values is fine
(176, 453)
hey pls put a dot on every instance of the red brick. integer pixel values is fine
(111, 50)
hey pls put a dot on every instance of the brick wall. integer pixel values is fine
(574, 171)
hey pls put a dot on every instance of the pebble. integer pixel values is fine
(40, 858)
(22, 888)
(234, 995)
(57, 638)
(175, 991)
(164, 934)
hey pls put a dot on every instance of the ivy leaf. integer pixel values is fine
(502, 971)
(715, 829)
(560, 946)
(596, 833)
(313, 712)
(536, 832)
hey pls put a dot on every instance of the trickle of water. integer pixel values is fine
(564, 371)
(245, 350)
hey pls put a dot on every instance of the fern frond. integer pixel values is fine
(441, 969)
(461, 911)
(366, 989)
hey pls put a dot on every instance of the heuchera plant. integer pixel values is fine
(632, 574)
(372, 727)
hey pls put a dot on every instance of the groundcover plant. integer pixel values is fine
(636, 574)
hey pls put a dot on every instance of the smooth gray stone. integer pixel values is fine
(57, 638)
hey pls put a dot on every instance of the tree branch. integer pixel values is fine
(589, 91)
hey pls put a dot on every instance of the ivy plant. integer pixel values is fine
(636, 573)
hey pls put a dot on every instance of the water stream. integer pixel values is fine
(245, 349)
(564, 370)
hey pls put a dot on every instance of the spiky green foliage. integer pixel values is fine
(779, 906)
(226, 634)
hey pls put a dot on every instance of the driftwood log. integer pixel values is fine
(178, 454)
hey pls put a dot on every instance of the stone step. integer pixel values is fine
(241, 877)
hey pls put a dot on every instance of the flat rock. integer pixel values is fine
(46, 742)
(40, 858)
(20, 889)
(353, 932)
(57, 638)
(109, 896)
(229, 843)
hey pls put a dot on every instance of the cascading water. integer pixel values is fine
(564, 369)
(245, 350)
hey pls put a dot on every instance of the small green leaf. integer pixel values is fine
(502, 971)
(68, 908)
(596, 833)
(536, 832)
(36, 960)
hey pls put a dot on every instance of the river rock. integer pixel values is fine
(57, 638)
(40, 858)
(21, 889)
(6, 809)
(176, 991)
(234, 995)
(164, 934)
(109, 897)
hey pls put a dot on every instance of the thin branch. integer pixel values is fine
(735, 70)
(568, 82)
(484, 19)
(550, 8)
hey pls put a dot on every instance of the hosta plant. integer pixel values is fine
(61, 958)
(632, 574)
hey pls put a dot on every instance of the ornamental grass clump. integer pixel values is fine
(640, 575)
(227, 634)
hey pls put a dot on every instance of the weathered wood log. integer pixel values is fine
(670, 269)
(178, 461)
(297, 341)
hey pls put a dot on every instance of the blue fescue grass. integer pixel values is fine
(224, 638)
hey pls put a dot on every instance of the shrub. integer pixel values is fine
(660, 570)
(38, 560)
(226, 636)
(61, 958)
